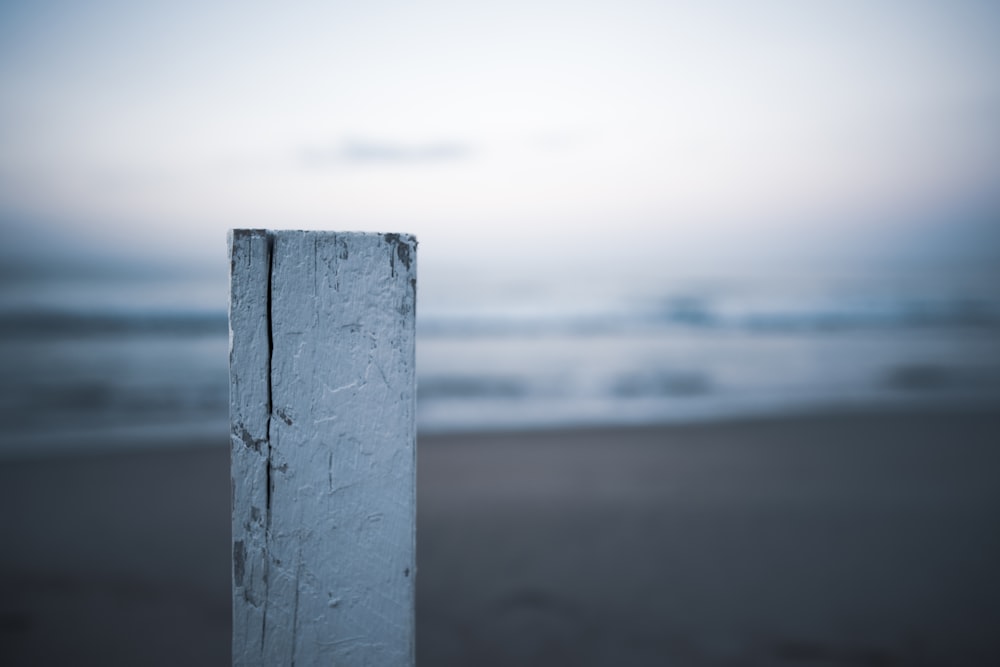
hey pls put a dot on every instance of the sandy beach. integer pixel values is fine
(864, 539)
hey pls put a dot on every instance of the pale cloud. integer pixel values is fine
(366, 152)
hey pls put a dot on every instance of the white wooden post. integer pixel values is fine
(322, 409)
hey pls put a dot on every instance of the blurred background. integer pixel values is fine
(639, 212)
(629, 214)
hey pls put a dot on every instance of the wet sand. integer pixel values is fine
(868, 539)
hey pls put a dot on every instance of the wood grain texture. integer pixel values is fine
(323, 447)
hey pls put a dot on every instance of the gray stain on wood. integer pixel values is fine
(401, 247)
(239, 562)
(322, 327)
(284, 416)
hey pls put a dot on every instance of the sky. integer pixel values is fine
(535, 131)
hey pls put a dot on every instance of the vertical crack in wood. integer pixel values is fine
(268, 482)
(270, 362)
(270, 380)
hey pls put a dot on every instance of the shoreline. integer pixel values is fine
(132, 439)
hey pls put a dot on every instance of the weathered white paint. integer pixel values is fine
(323, 447)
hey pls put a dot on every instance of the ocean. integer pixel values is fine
(105, 363)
